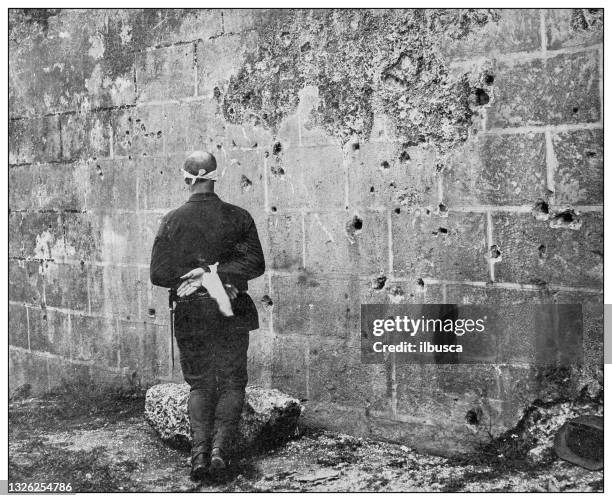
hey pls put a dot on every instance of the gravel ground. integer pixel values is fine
(102, 444)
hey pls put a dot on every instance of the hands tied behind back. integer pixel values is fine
(197, 278)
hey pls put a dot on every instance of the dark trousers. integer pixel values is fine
(213, 355)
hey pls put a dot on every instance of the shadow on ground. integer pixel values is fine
(99, 442)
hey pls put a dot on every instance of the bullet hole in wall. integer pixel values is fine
(151, 312)
(371, 189)
(404, 157)
(420, 282)
(245, 183)
(219, 146)
(540, 210)
(277, 148)
(273, 208)
(277, 171)
(591, 153)
(440, 231)
(379, 282)
(355, 146)
(575, 109)
(489, 79)
(353, 227)
(384, 164)
(495, 252)
(542, 251)
(567, 218)
(305, 47)
(397, 210)
(442, 209)
(267, 302)
(482, 97)
(473, 416)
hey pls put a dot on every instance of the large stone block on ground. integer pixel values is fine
(268, 414)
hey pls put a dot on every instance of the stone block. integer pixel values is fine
(25, 281)
(66, 286)
(50, 331)
(112, 184)
(450, 248)
(289, 369)
(516, 30)
(21, 186)
(574, 85)
(221, 58)
(86, 235)
(562, 89)
(391, 175)
(166, 73)
(139, 131)
(573, 27)
(284, 247)
(534, 253)
(579, 172)
(115, 291)
(96, 340)
(312, 177)
(316, 305)
(86, 135)
(497, 170)
(28, 374)
(346, 242)
(62, 187)
(338, 375)
(34, 140)
(36, 235)
(18, 325)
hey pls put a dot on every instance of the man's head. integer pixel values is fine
(200, 168)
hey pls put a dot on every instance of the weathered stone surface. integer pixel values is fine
(534, 435)
(496, 170)
(267, 413)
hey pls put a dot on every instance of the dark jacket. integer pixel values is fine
(203, 231)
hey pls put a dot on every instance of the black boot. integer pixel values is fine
(200, 463)
(218, 463)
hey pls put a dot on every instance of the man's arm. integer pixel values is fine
(162, 268)
(246, 263)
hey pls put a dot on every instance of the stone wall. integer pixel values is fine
(386, 156)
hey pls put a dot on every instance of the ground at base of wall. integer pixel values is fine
(104, 444)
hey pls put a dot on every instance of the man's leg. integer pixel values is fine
(197, 363)
(231, 365)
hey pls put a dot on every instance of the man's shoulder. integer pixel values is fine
(235, 210)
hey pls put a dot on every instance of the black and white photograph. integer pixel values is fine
(286, 249)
